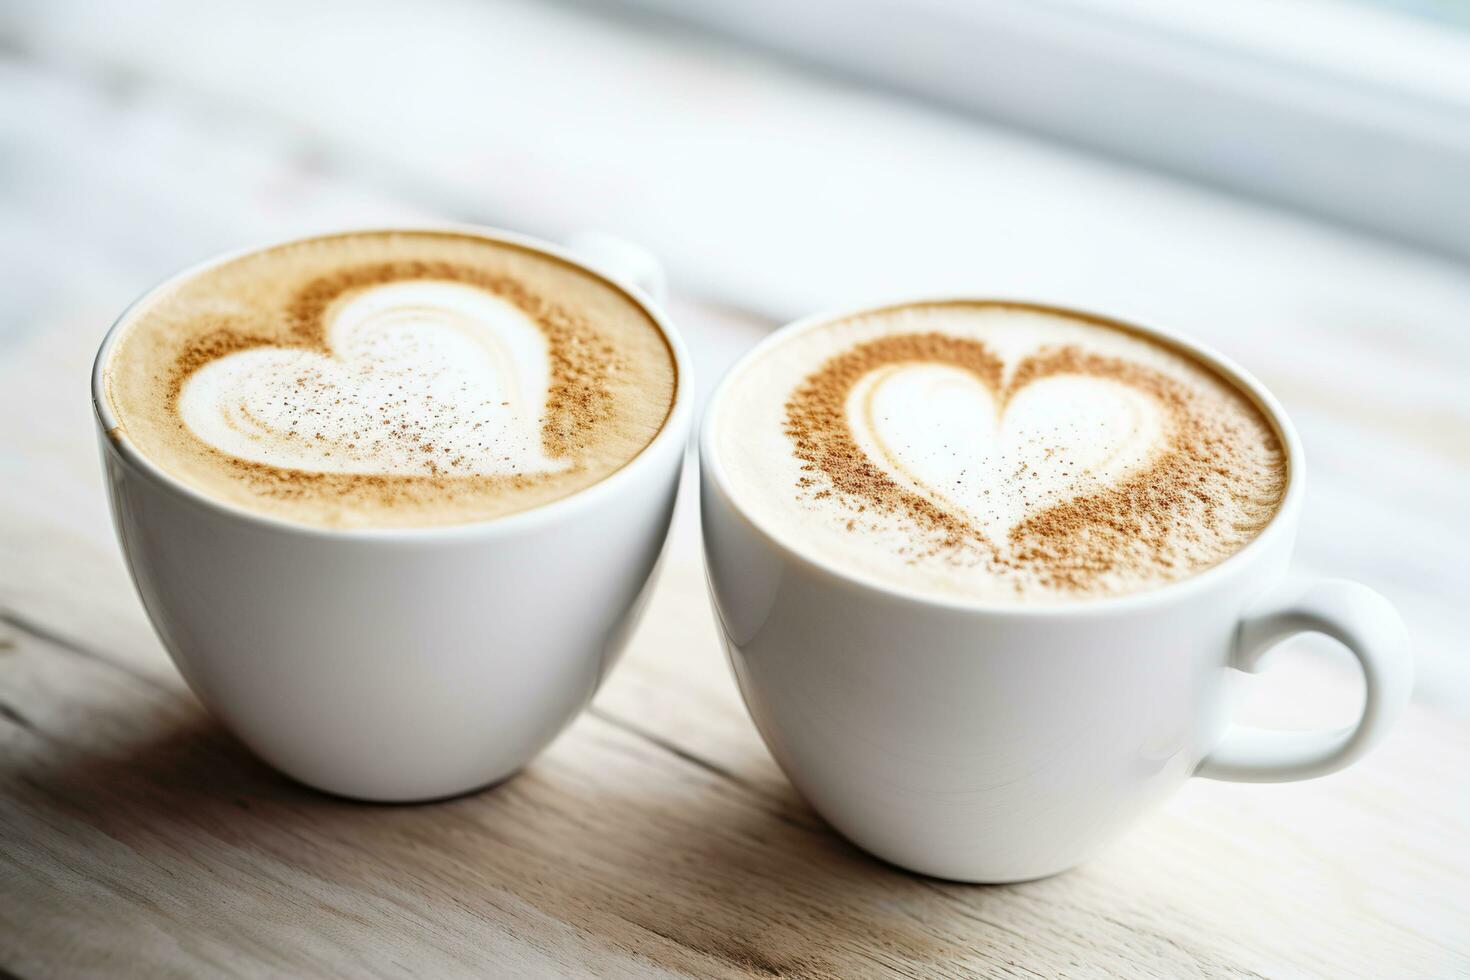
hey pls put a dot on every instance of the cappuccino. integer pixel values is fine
(997, 452)
(390, 379)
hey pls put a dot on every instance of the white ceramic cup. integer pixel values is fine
(401, 664)
(996, 743)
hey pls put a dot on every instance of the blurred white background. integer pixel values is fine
(1284, 180)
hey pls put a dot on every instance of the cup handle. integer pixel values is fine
(622, 260)
(1365, 623)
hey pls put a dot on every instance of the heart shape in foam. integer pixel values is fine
(996, 457)
(420, 377)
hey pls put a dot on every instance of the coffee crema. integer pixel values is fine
(998, 452)
(390, 379)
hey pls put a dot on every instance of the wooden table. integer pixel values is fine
(656, 837)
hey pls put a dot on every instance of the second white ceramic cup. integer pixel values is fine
(1001, 743)
(402, 664)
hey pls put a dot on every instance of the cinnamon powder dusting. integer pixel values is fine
(579, 399)
(604, 391)
(1206, 490)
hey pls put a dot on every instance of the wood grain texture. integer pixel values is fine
(656, 838)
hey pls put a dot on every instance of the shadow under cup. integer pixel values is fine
(397, 664)
(997, 743)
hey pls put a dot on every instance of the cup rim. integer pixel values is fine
(1280, 523)
(674, 426)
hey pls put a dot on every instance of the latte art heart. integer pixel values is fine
(418, 377)
(940, 431)
(997, 451)
(390, 379)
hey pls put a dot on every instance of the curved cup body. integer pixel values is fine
(967, 744)
(393, 669)
(973, 742)
(397, 665)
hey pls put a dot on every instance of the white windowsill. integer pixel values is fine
(1340, 109)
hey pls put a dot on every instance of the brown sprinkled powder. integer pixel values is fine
(816, 422)
(611, 379)
(221, 341)
(1163, 520)
(579, 398)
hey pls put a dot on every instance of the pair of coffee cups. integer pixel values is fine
(966, 741)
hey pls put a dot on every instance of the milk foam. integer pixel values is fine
(390, 379)
(420, 377)
(997, 452)
(940, 432)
